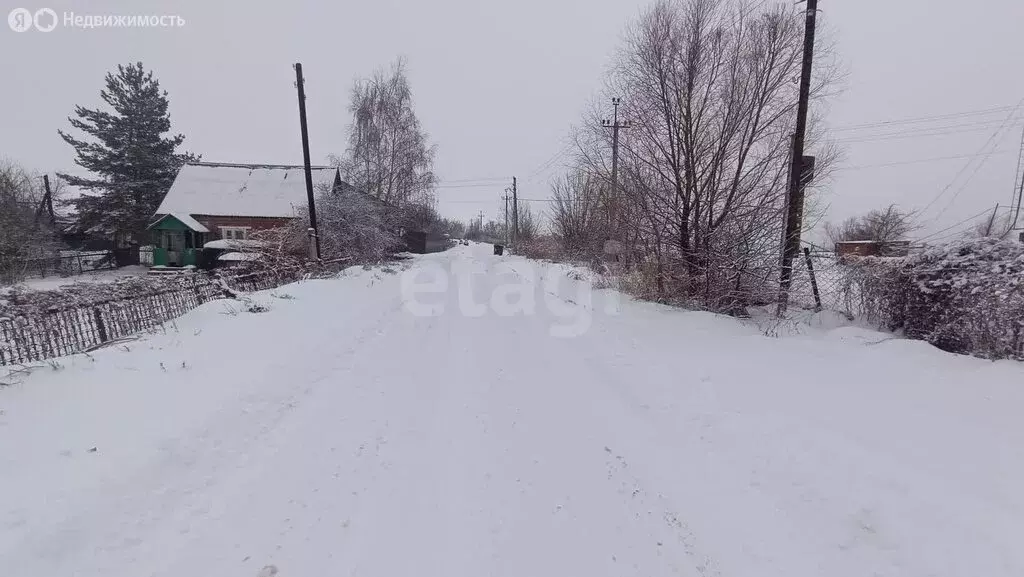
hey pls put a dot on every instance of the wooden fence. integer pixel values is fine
(55, 332)
(67, 263)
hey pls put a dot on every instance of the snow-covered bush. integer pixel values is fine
(24, 236)
(20, 300)
(544, 248)
(351, 224)
(964, 297)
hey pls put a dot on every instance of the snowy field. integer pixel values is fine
(383, 424)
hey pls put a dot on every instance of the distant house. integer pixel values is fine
(210, 201)
(872, 248)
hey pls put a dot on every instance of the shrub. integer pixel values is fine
(964, 297)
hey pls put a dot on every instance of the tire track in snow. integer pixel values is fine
(146, 515)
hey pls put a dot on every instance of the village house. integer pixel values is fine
(889, 248)
(211, 201)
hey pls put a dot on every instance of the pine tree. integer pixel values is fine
(132, 162)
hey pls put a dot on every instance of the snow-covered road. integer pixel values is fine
(382, 424)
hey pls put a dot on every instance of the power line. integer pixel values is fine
(954, 225)
(924, 133)
(484, 200)
(917, 161)
(944, 126)
(549, 162)
(969, 162)
(482, 179)
(481, 185)
(920, 119)
(924, 130)
(966, 182)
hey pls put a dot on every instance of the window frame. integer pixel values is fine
(234, 231)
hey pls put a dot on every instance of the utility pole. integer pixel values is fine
(795, 209)
(305, 159)
(615, 125)
(515, 213)
(49, 197)
(1018, 185)
(506, 218)
(47, 201)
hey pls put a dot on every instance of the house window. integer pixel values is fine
(234, 232)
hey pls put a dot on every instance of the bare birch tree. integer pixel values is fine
(388, 154)
(710, 88)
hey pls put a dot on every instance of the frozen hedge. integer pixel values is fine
(963, 297)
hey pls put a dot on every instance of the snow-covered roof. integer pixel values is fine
(185, 219)
(872, 242)
(234, 244)
(241, 190)
(238, 256)
(189, 222)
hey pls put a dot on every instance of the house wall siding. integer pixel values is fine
(253, 222)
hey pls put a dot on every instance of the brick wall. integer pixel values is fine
(858, 248)
(253, 222)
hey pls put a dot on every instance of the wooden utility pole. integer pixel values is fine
(613, 208)
(515, 213)
(305, 160)
(795, 209)
(47, 201)
(506, 218)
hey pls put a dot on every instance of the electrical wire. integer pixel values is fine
(549, 162)
(964, 185)
(920, 119)
(954, 225)
(918, 161)
(481, 185)
(925, 133)
(483, 200)
(482, 179)
(988, 155)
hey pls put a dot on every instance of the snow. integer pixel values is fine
(239, 256)
(338, 433)
(233, 190)
(237, 244)
(190, 222)
(101, 276)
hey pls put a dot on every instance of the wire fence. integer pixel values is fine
(967, 298)
(34, 333)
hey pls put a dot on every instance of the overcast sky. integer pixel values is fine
(498, 83)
